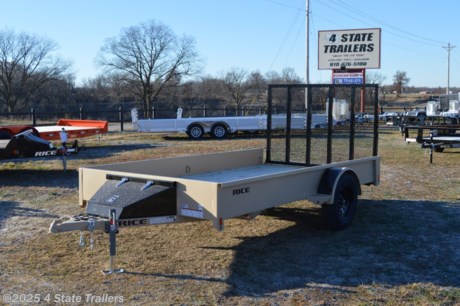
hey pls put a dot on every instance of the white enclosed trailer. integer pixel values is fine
(220, 186)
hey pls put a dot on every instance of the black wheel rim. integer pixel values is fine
(344, 203)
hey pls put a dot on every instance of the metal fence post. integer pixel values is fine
(121, 117)
(205, 111)
(34, 118)
(81, 112)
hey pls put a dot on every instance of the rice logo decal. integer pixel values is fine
(45, 153)
(240, 191)
(133, 222)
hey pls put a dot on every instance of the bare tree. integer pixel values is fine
(289, 76)
(376, 78)
(26, 64)
(258, 86)
(400, 80)
(150, 57)
(236, 85)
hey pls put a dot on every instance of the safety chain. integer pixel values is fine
(82, 240)
(91, 228)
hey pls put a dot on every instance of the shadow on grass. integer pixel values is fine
(39, 178)
(87, 153)
(176, 276)
(390, 242)
(110, 150)
(10, 209)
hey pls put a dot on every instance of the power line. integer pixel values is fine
(286, 36)
(365, 15)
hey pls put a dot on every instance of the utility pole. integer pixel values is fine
(307, 38)
(449, 47)
(307, 49)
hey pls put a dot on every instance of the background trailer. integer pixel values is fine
(326, 166)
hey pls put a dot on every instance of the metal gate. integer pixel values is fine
(317, 124)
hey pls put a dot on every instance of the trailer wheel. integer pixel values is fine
(195, 131)
(340, 214)
(219, 131)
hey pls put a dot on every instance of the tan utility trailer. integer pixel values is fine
(226, 185)
(216, 186)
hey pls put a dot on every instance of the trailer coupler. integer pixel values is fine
(91, 223)
(78, 223)
(85, 222)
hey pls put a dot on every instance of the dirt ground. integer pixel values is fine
(401, 249)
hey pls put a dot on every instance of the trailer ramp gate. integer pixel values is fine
(341, 123)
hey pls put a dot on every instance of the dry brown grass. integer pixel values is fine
(402, 248)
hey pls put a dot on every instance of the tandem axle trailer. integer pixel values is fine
(329, 171)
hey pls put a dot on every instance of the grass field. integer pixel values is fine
(401, 249)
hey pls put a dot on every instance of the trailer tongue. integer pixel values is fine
(298, 165)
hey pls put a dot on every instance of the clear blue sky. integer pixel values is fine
(260, 35)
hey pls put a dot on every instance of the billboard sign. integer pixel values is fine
(347, 77)
(349, 49)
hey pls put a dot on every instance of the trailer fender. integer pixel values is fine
(6, 133)
(343, 203)
(328, 182)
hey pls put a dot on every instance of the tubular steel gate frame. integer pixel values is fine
(330, 126)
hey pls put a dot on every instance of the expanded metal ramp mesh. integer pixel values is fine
(334, 123)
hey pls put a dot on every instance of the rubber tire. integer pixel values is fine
(195, 131)
(219, 131)
(340, 214)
